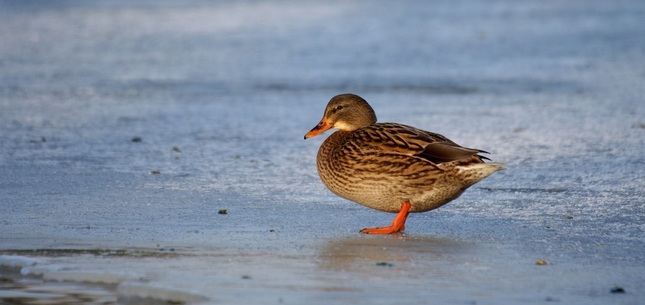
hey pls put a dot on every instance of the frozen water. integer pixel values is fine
(127, 127)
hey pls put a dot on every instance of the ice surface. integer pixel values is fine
(126, 127)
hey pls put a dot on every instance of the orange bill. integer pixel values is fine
(320, 128)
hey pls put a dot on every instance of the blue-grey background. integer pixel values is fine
(220, 95)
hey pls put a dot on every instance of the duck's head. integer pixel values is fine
(346, 112)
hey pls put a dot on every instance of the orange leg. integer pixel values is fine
(398, 224)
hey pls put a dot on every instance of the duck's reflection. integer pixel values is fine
(399, 252)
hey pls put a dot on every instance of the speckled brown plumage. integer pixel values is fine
(382, 165)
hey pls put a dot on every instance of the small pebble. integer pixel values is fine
(176, 149)
(4, 280)
(42, 139)
(246, 277)
(618, 290)
(137, 139)
(384, 264)
(154, 172)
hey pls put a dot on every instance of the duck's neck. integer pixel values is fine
(334, 141)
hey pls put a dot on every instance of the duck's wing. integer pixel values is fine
(393, 138)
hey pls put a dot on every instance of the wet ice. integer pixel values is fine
(554, 91)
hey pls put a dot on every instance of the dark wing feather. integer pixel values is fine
(408, 140)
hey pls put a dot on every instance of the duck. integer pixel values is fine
(392, 167)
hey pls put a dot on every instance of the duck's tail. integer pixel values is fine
(475, 172)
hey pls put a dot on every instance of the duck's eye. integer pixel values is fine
(335, 109)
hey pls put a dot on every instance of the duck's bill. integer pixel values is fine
(320, 128)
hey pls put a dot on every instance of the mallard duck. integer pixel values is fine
(392, 167)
